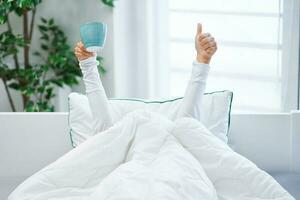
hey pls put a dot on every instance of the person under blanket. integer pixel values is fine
(205, 46)
(148, 156)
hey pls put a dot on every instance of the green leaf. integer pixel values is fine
(9, 43)
(36, 53)
(6, 7)
(28, 91)
(14, 86)
(45, 37)
(109, 3)
(30, 107)
(57, 82)
(43, 20)
(3, 19)
(27, 4)
(51, 22)
(42, 28)
(44, 47)
(49, 93)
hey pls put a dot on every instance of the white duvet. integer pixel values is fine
(146, 156)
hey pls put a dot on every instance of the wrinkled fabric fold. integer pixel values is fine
(147, 156)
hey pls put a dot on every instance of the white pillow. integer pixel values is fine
(215, 113)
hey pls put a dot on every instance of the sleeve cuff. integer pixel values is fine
(88, 61)
(201, 67)
(204, 65)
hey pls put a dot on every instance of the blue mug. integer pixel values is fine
(93, 35)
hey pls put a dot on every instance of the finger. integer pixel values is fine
(78, 44)
(78, 55)
(208, 45)
(77, 49)
(206, 40)
(203, 35)
(81, 49)
(80, 52)
(213, 48)
(199, 28)
(87, 54)
(86, 51)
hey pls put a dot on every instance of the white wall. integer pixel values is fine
(69, 14)
(29, 142)
(263, 138)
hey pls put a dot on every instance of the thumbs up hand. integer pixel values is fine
(205, 46)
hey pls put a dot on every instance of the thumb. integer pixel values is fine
(199, 28)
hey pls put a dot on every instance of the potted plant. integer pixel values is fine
(57, 66)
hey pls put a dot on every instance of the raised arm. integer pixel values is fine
(94, 89)
(206, 47)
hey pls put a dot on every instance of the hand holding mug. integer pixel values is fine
(81, 52)
(93, 36)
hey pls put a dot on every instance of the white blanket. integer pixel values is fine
(146, 156)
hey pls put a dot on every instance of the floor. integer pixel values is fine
(291, 182)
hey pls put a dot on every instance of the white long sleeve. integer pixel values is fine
(192, 100)
(98, 101)
(100, 107)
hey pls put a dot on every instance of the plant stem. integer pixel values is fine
(26, 38)
(32, 24)
(15, 56)
(25, 101)
(8, 24)
(17, 65)
(26, 51)
(9, 95)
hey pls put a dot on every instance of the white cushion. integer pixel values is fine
(215, 113)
